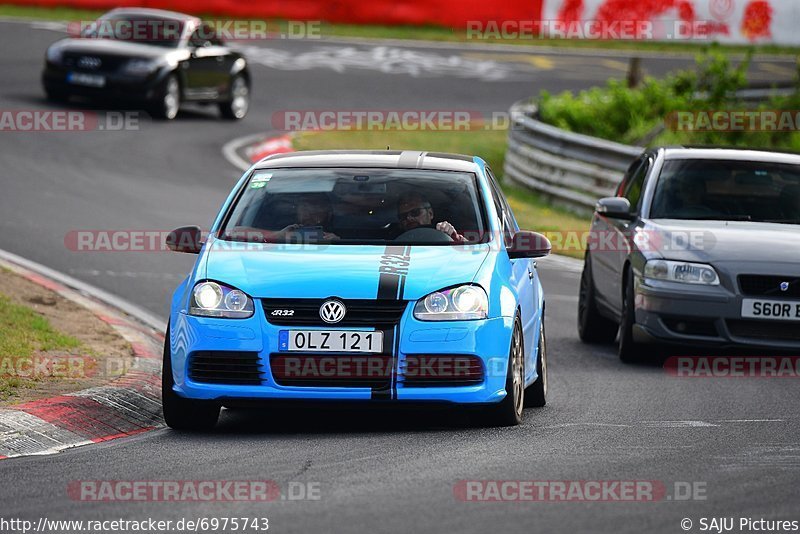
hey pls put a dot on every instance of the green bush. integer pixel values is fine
(639, 115)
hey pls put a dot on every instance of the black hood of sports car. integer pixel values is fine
(112, 47)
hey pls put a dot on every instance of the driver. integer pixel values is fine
(414, 211)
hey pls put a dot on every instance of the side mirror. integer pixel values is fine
(528, 245)
(185, 239)
(614, 207)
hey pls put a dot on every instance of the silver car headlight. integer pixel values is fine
(462, 303)
(139, 67)
(210, 299)
(681, 271)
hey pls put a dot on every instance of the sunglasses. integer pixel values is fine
(416, 212)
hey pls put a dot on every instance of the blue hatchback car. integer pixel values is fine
(359, 276)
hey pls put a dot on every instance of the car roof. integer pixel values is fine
(405, 159)
(735, 154)
(149, 12)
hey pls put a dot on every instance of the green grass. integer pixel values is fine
(23, 332)
(429, 33)
(531, 211)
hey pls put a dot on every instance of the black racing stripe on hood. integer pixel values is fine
(393, 269)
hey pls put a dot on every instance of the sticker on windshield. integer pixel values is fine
(260, 180)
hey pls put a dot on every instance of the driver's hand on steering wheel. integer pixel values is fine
(450, 230)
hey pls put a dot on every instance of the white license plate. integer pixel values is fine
(331, 340)
(89, 80)
(780, 310)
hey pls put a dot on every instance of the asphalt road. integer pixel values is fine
(737, 439)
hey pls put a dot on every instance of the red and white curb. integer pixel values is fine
(128, 405)
(242, 152)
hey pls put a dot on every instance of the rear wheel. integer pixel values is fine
(592, 327)
(536, 393)
(508, 412)
(168, 101)
(181, 413)
(236, 108)
(629, 350)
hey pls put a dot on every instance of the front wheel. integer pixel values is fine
(181, 413)
(536, 393)
(236, 108)
(508, 412)
(168, 101)
(629, 350)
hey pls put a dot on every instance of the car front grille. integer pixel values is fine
(309, 370)
(768, 286)
(225, 367)
(93, 63)
(441, 370)
(766, 330)
(360, 312)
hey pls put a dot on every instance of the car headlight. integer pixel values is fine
(462, 303)
(210, 299)
(54, 54)
(140, 66)
(681, 271)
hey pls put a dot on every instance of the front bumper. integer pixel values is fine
(703, 316)
(135, 89)
(489, 340)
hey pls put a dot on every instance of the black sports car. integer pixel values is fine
(152, 57)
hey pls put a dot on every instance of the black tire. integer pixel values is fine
(508, 412)
(236, 108)
(180, 413)
(629, 350)
(592, 327)
(536, 393)
(168, 99)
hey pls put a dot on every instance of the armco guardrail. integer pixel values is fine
(573, 170)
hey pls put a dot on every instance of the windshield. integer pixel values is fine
(728, 190)
(156, 31)
(357, 206)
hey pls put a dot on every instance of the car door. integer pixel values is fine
(615, 236)
(206, 70)
(522, 274)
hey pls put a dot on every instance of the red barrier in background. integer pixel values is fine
(449, 13)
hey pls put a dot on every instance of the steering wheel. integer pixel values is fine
(425, 235)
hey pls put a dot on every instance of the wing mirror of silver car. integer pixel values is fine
(185, 239)
(614, 207)
(527, 244)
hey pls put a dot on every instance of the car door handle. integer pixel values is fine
(220, 59)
